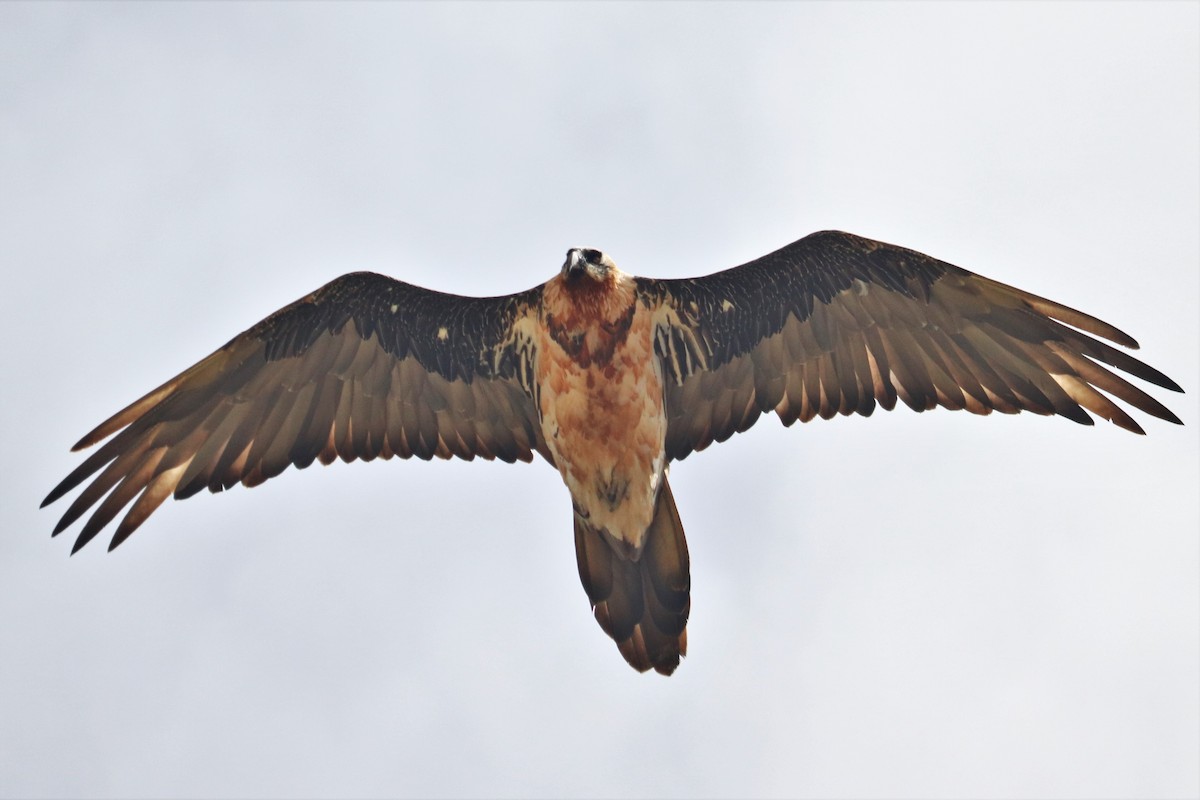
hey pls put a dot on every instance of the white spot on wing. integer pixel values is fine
(726, 306)
(443, 334)
(395, 307)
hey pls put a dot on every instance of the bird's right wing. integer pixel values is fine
(364, 367)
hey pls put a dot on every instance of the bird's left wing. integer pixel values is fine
(835, 324)
(364, 367)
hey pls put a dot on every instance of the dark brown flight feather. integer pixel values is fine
(643, 605)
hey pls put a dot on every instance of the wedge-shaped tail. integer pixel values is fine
(642, 602)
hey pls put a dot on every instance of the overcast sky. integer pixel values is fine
(907, 605)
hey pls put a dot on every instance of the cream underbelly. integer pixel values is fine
(606, 429)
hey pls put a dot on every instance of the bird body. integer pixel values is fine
(600, 399)
(610, 378)
(601, 402)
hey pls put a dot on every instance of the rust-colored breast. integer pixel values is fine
(601, 405)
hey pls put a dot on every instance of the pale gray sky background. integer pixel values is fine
(908, 605)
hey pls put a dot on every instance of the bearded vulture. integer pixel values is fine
(610, 378)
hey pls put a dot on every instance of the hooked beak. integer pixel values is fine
(575, 265)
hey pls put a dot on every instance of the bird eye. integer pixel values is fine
(592, 256)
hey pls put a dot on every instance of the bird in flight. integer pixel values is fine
(610, 378)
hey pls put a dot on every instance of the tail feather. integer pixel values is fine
(641, 601)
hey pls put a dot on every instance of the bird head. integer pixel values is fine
(584, 261)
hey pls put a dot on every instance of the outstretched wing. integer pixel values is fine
(366, 366)
(835, 324)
